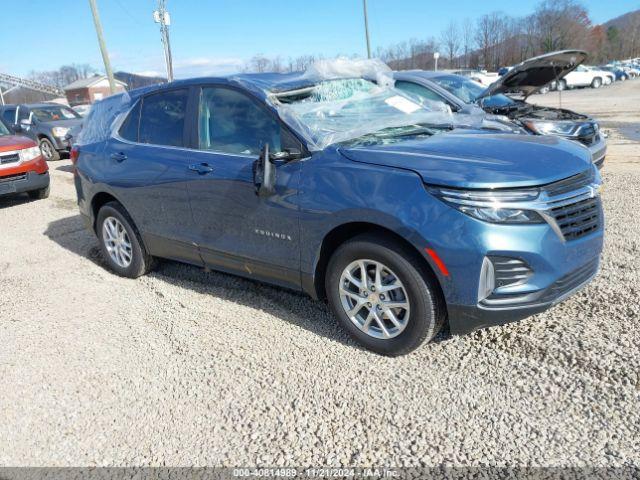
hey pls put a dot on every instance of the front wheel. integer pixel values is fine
(48, 150)
(120, 242)
(379, 296)
(39, 194)
(562, 85)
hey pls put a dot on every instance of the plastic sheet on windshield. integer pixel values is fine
(339, 100)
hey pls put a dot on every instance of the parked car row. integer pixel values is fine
(466, 96)
(404, 214)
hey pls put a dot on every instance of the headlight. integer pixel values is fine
(493, 206)
(59, 131)
(28, 154)
(565, 129)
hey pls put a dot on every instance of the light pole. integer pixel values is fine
(366, 28)
(162, 17)
(436, 56)
(103, 47)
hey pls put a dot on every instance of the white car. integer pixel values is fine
(608, 77)
(583, 77)
(480, 76)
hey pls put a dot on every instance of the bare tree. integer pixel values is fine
(450, 37)
(467, 31)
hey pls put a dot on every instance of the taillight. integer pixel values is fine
(74, 155)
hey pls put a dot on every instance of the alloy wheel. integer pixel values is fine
(47, 150)
(117, 242)
(374, 299)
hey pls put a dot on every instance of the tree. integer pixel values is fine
(450, 37)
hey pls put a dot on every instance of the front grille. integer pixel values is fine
(13, 178)
(509, 271)
(574, 206)
(578, 219)
(9, 158)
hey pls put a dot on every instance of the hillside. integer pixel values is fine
(623, 21)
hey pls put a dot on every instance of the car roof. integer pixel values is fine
(428, 74)
(259, 83)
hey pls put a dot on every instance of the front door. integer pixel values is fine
(237, 230)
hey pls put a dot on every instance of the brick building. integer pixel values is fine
(88, 90)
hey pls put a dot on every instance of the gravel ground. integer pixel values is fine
(184, 367)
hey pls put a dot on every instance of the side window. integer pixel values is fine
(23, 114)
(162, 118)
(231, 122)
(9, 116)
(419, 91)
(129, 128)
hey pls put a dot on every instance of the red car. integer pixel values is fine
(22, 166)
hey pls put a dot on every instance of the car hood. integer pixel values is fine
(15, 142)
(480, 160)
(533, 74)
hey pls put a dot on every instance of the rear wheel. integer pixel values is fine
(562, 85)
(48, 150)
(39, 194)
(120, 242)
(596, 83)
(380, 297)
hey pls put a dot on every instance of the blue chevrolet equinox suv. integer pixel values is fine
(344, 189)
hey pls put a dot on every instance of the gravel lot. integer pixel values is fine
(184, 367)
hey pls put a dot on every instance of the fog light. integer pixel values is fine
(487, 279)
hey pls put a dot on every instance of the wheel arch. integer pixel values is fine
(345, 232)
(99, 200)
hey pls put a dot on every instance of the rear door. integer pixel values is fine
(148, 169)
(237, 230)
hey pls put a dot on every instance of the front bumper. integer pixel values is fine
(598, 151)
(555, 267)
(465, 319)
(62, 144)
(23, 182)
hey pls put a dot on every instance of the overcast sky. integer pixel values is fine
(217, 36)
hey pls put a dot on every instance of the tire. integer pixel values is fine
(417, 289)
(544, 91)
(48, 150)
(596, 82)
(140, 262)
(39, 194)
(562, 85)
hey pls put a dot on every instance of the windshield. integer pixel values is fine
(54, 112)
(468, 91)
(4, 130)
(339, 110)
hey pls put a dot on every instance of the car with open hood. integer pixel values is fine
(508, 97)
(46, 123)
(22, 167)
(345, 189)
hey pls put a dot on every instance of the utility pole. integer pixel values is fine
(366, 28)
(162, 17)
(103, 47)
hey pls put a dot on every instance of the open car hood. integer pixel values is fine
(533, 74)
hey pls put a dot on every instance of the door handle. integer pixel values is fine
(118, 157)
(201, 168)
